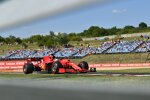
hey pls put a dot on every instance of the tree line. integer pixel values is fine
(60, 39)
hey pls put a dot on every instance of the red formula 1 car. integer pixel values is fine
(55, 66)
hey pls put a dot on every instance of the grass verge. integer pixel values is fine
(65, 76)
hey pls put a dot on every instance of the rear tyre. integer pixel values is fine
(84, 65)
(48, 67)
(28, 68)
(37, 68)
(55, 67)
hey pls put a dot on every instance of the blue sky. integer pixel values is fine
(107, 15)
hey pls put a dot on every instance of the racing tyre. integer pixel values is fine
(55, 67)
(83, 65)
(48, 67)
(28, 68)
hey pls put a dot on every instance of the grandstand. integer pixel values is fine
(109, 47)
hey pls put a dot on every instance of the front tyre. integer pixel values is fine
(84, 65)
(55, 67)
(28, 68)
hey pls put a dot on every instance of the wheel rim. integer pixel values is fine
(54, 69)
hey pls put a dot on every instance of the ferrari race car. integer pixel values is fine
(56, 66)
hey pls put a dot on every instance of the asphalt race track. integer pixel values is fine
(60, 89)
(27, 93)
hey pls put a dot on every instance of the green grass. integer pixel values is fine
(6, 48)
(60, 76)
(94, 43)
(122, 79)
(131, 71)
(114, 58)
(35, 75)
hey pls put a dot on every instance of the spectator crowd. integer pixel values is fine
(109, 47)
